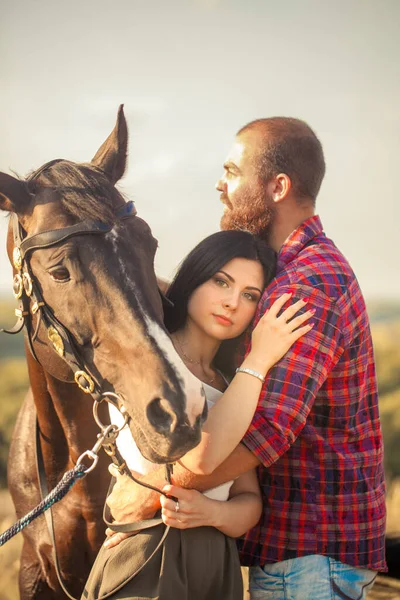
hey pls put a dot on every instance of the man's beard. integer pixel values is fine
(253, 215)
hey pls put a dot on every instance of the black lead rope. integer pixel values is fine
(68, 480)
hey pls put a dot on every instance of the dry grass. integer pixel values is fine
(9, 553)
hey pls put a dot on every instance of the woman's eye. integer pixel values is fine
(220, 282)
(250, 297)
(60, 274)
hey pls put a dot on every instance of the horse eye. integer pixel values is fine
(60, 274)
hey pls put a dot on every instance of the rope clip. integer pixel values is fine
(108, 433)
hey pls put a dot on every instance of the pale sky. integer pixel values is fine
(190, 74)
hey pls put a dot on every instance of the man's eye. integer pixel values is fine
(60, 274)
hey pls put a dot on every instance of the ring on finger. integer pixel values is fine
(177, 506)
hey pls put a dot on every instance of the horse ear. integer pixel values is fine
(111, 156)
(14, 195)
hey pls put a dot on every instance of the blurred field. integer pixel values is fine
(9, 553)
(385, 320)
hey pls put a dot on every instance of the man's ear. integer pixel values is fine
(14, 194)
(111, 156)
(279, 187)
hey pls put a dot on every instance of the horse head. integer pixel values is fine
(84, 270)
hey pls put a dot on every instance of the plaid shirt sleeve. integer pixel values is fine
(290, 388)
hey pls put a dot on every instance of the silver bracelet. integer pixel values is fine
(251, 372)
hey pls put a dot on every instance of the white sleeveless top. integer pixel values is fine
(137, 462)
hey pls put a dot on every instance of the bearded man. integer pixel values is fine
(315, 436)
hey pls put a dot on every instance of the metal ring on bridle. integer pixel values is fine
(109, 397)
(87, 378)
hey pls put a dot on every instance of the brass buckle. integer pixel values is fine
(87, 378)
(18, 287)
(109, 449)
(56, 340)
(17, 258)
(35, 307)
(27, 281)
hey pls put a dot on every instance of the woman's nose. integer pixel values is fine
(230, 303)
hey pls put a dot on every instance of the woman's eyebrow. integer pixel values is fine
(248, 287)
(227, 275)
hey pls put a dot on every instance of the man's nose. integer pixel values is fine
(220, 185)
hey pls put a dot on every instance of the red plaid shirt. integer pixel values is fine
(316, 430)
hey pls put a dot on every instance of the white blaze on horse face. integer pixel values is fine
(192, 386)
(113, 237)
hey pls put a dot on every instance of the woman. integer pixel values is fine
(214, 296)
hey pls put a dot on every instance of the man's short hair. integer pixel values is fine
(289, 146)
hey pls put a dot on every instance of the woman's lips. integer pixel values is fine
(222, 320)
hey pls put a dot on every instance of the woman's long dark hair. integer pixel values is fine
(206, 259)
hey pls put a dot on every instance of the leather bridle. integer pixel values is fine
(31, 301)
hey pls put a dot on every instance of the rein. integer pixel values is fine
(33, 305)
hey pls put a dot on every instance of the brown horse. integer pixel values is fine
(93, 280)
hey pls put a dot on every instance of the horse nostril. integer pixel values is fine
(161, 415)
(204, 414)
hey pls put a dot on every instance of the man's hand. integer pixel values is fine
(128, 502)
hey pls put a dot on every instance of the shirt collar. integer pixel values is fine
(296, 241)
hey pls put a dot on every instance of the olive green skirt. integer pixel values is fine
(192, 564)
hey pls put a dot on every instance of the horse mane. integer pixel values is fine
(85, 191)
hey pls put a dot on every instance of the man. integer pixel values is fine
(315, 436)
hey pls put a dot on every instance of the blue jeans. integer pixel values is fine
(312, 577)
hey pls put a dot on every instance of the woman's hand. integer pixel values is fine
(273, 336)
(193, 509)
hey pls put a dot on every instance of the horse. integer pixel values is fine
(84, 274)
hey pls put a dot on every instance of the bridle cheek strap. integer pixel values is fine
(31, 300)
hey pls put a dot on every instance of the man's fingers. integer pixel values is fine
(113, 470)
(115, 539)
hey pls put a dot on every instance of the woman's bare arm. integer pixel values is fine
(231, 415)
